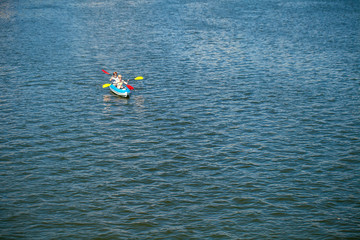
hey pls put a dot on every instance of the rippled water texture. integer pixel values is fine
(246, 125)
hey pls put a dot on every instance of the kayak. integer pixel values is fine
(124, 92)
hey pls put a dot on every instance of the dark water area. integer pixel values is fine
(246, 125)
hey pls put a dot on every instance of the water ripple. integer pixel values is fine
(244, 127)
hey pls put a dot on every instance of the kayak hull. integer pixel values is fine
(125, 92)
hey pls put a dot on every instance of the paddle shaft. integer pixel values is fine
(129, 86)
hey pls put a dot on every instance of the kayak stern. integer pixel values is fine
(125, 92)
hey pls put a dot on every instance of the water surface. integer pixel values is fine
(246, 125)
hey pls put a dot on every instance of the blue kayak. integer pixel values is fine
(123, 92)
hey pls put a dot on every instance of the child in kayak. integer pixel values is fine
(114, 78)
(120, 82)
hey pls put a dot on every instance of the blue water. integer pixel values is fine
(246, 125)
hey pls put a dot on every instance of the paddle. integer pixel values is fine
(106, 72)
(137, 78)
(108, 84)
(129, 86)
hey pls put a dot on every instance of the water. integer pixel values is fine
(246, 125)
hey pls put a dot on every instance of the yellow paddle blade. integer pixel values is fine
(106, 85)
(139, 78)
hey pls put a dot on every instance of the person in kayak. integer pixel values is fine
(114, 78)
(120, 82)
